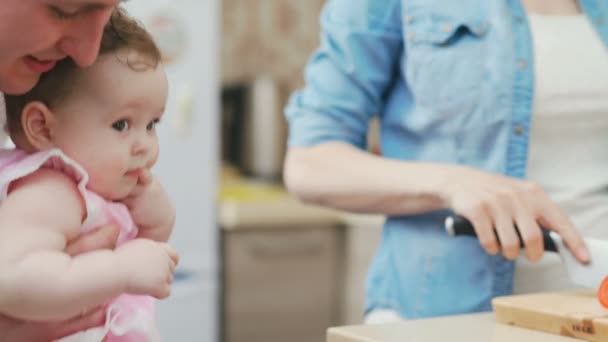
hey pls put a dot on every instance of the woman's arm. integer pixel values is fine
(17, 330)
(341, 176)
(347, 80)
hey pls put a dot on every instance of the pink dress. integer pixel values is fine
(129, 318)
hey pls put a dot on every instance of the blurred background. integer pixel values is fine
(256, 265)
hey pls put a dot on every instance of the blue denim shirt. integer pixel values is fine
(452, 82)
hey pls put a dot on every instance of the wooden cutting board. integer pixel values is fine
(574, 313)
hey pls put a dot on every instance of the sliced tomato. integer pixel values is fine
(602, 293)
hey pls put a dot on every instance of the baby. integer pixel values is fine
(85, 142)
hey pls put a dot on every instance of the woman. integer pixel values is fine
(488, 109)
(34, 35)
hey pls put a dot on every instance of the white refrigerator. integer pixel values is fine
(188, 33)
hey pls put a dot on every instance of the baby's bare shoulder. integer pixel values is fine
(43, 210)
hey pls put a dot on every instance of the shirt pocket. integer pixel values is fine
(446, 62)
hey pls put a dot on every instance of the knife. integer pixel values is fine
(588, 275)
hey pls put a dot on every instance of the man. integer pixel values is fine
(34, 35)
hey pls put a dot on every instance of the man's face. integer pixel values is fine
(34, 34)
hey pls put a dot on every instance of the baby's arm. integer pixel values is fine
(38, 280)
(151, 209)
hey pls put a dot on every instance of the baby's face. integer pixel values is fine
(108, 124)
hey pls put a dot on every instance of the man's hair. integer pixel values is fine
(121, 32)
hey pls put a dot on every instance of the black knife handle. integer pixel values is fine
(456, 225)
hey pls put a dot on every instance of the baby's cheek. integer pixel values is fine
(154, 158)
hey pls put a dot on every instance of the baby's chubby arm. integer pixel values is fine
(39, 281)
(151, 209)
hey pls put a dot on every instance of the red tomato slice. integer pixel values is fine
(602, 293)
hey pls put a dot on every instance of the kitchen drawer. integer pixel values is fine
(281, 284)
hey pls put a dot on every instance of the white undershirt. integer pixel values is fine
(568, 152)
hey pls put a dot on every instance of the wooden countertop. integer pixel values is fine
(461, 328)
(246, 205)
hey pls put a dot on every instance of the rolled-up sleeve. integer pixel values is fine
(348, 76)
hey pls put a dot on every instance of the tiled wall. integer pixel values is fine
(268, 36)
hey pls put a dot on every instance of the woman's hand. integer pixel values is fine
(15, 330)
(101, 238)
(495, 204)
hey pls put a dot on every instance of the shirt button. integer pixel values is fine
(410, 36)
(409, 19)
(519, 20)
(522, 64)
(447, 28)
(481, 28)
(519, 131)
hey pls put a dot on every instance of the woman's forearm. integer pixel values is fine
(341, 176)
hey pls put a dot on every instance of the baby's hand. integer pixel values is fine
(151, 209)
(148, 267)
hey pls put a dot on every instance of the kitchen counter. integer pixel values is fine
(247, 204)
(461, 328)
(244, 205)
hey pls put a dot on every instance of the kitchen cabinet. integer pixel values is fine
(290, 270)
(281, 284)
(282, 268)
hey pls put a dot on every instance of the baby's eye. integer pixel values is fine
(121, 125)
(152, 124)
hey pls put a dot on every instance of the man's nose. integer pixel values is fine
(83, 37)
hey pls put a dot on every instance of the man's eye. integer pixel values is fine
(121, 125)
(152, 124)
(61, 14)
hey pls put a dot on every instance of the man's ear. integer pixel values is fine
(37, 122)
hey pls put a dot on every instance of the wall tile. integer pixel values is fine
(268, 36)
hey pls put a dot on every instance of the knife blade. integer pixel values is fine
(587, 275)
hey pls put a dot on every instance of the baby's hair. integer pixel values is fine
(121, 32)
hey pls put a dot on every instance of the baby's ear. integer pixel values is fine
(37, 122)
